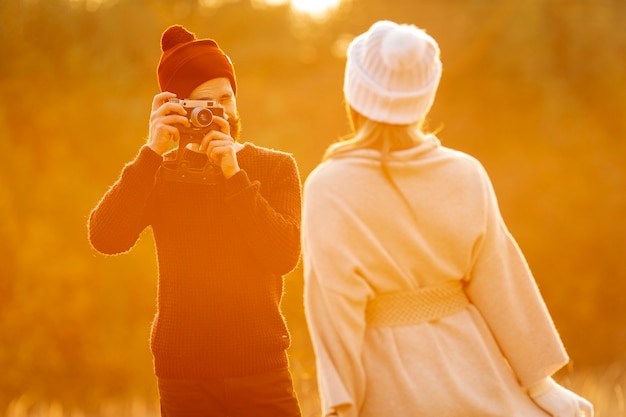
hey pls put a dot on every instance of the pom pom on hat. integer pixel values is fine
(401, 49)
(174, 35)
(186, 62)
(392, 73)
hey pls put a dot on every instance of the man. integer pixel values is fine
(218, 339)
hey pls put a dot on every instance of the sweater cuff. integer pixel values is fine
(237, 182)
(148, 157)
(541, 388)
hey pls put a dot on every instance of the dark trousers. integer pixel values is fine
(268, 394)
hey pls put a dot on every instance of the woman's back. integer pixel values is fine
(420, 228)
(396, 246)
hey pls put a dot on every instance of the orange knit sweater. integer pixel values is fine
(222, 252)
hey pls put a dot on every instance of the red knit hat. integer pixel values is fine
(187, 62)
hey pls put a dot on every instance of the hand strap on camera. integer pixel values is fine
(181, 170)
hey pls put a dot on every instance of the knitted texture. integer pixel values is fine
(222, 250)
(392, 73)
(186, 62)
(405, 308)
(361, 240)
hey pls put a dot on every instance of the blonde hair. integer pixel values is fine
(368, 134)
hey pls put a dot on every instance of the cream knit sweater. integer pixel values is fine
(360, 239)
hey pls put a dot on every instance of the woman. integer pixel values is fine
(418, 300)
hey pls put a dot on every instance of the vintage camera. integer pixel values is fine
(200, 115)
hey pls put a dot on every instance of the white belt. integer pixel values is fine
(405, 308)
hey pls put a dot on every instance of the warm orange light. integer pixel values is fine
(314, 8)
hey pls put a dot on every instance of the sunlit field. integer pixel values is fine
(535, 90)
(605, 388)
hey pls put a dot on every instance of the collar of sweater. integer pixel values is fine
(428, 145)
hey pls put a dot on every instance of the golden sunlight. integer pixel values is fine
(90, 5)
(314, 8)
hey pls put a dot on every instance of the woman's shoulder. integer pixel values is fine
(462, 159)
(323, 172)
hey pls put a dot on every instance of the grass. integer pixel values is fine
(605, 388)
(22, 407)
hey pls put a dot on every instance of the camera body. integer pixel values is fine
(200, 115)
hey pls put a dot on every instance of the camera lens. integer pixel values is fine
(200, 117)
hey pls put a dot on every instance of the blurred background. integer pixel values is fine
(535, 89)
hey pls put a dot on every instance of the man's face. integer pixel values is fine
(220, 91)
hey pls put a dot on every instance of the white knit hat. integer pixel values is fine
(392, 73)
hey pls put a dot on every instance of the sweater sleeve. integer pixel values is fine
(335, 299)
(504, 290)
(269, 222)
(121, 215)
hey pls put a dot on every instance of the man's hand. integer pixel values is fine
(162, 119)
(221, 148)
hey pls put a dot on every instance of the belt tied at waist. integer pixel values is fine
(404, 308)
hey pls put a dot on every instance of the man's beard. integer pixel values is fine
(235, 126)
